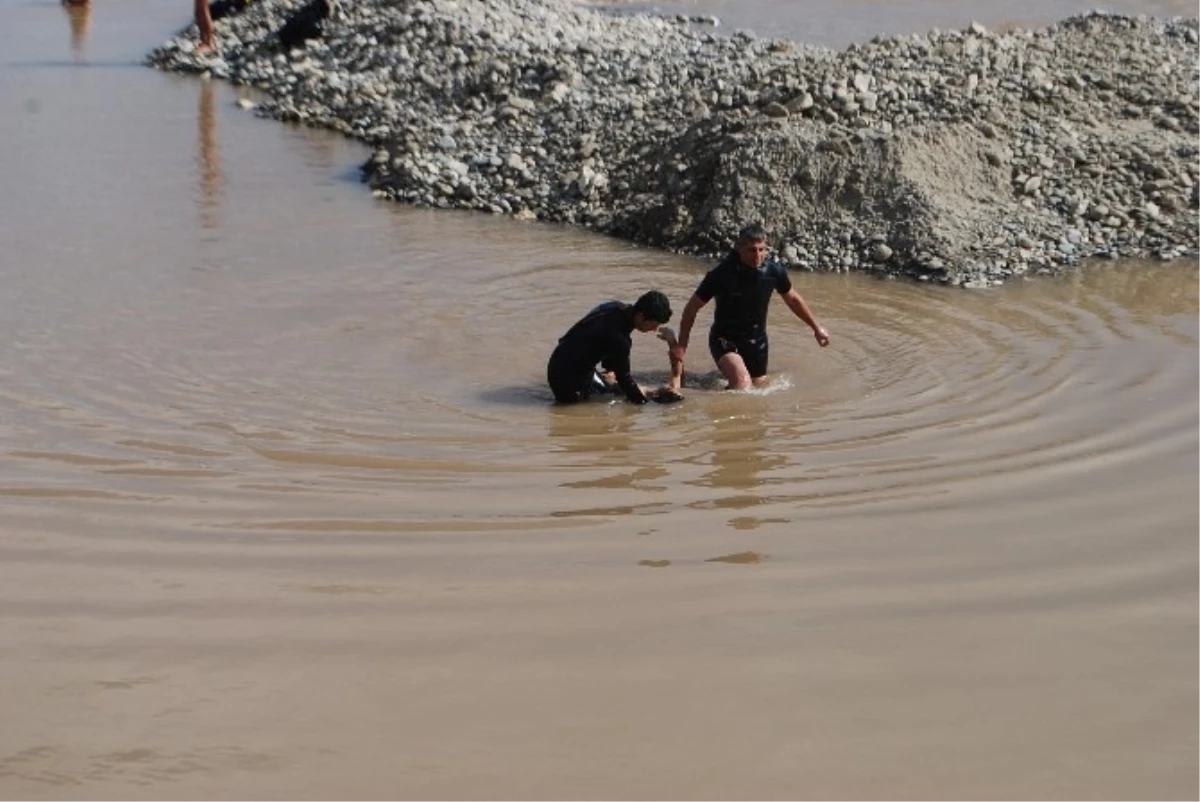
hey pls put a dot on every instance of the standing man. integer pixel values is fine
(603, 337)
(742, 283)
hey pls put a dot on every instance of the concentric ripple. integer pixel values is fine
(419, 401)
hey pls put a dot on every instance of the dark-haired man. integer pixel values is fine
(742, 283)
(603, 337)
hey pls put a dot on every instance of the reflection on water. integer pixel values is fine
(742, 457)
(79, 15)
(208, 163)
(288, 443)
(740, 558)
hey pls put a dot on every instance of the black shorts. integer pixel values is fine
(752, 350)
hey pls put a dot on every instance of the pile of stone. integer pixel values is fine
(963, 156)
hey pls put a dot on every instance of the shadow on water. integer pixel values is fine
(524, 395)
(350, 175)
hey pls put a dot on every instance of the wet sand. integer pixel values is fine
(286, 513)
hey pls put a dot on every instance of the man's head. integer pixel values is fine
(651, 311)
(751, 246)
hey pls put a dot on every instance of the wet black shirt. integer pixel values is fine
(602, 337)
(743, 294)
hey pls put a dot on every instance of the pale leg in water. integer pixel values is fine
(733, 368)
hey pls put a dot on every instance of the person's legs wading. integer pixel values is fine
(754, 354)
(724, 352)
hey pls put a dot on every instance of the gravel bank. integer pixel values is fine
(965, 157)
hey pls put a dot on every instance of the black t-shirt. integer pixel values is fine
(602, 337)
(743, 294)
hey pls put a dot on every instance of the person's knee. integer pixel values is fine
(734, 370)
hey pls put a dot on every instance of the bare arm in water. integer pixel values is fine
(679, 346)
(800, 309)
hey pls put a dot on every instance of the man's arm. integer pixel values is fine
(667, 334)
(800, 309)
(617, 362)
(679, 347)
(632, 389)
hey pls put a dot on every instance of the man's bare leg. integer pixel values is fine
(205, 24)
(762, 381)
(733, 368)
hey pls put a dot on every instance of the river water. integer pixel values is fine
(285, 511)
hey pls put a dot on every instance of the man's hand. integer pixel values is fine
(821, 335)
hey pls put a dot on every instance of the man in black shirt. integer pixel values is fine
(742, 283)
(603, 337)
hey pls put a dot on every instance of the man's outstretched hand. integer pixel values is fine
(822, 336)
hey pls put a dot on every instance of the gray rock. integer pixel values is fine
(800, 103)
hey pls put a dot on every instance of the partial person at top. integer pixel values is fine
(604, 337)
(204, 23)
(742, 283)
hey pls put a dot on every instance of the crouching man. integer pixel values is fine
(604, 337)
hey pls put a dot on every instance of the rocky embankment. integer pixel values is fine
(964, 157)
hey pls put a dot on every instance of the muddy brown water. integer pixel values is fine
(285, 513)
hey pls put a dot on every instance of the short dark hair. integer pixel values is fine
(752, 233)
(654, 306)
